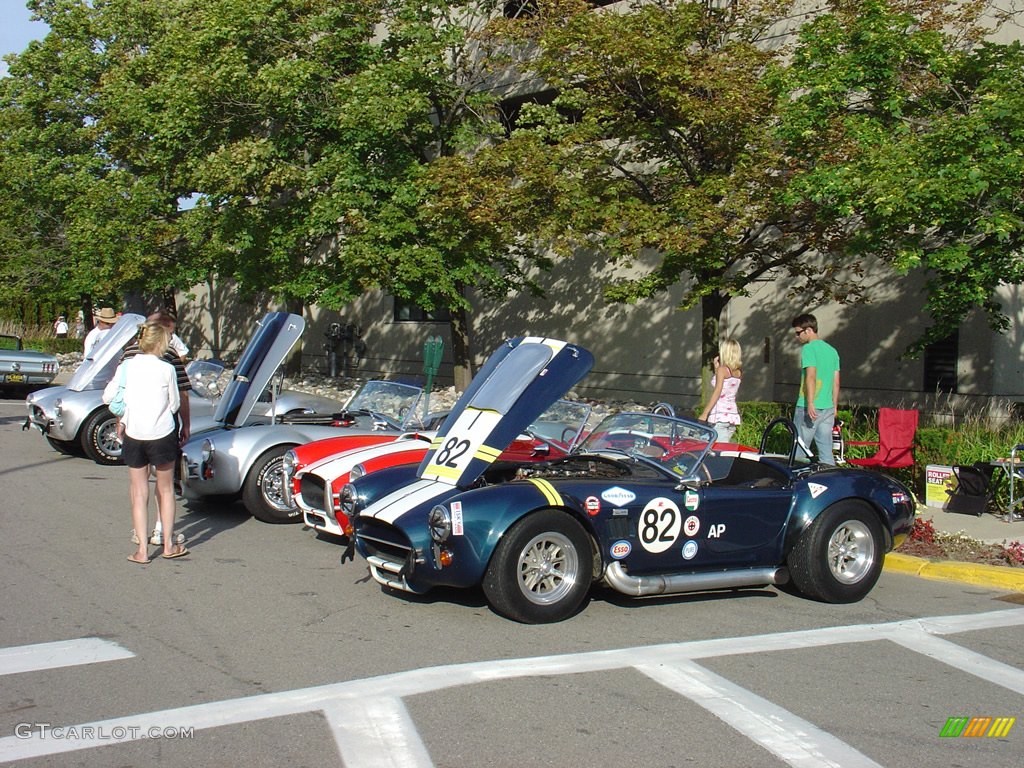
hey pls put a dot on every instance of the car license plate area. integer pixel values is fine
(14, 378)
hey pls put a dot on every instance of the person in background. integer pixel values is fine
(105, 319)
(60, 327)
(80, 325)
(150, 435)
(175, 355)
(815, 413)
(721, 409)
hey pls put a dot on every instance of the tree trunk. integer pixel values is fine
(462, 361)
(711, 307)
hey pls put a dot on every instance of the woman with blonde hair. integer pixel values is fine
(150, 438)
(721, 409)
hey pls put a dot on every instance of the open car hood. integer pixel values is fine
(520, 380)
(95, 371)
(274, 338)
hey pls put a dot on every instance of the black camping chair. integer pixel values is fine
(973, 489)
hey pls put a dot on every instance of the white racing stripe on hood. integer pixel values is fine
(396, 504)
(339, 465)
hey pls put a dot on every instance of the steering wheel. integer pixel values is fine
(568, 435)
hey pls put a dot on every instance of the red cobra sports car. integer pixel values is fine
(316, 472)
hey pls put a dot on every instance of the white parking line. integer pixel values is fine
(379, 698)
(64, 653)
(791, 738)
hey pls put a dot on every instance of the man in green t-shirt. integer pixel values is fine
(815, 413)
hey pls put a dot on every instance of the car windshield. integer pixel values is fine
(396, 402)
(208, 377)
(676, 445)
(561, 423)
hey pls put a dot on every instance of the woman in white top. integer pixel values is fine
(150, 434)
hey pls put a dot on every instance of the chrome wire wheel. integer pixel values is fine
(108, 441)
(272, 486)
(851, 552)
(548, 568)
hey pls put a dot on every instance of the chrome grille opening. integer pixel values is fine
(312, 489)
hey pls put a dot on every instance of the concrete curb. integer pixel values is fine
(992, 576)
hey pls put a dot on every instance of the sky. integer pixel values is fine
(16, 30)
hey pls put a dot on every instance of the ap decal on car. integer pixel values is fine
(618, 496)
(816, 489)
(659, 525)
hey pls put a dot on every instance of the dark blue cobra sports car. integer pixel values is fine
(646, 504)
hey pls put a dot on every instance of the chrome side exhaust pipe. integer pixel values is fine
(643, 586)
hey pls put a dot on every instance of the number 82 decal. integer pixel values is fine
(659, 525)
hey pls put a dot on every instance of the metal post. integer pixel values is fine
(432, 350)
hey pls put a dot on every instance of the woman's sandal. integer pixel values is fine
(180, 550)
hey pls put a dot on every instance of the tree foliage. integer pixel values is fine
(707, 134)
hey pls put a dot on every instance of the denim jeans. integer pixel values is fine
(818, 432)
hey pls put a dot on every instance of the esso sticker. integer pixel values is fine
(620, 549)
(593, 505)
(689, 550)
(659, 525)
(691, 526)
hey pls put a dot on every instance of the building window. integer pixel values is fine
(407, 312)
(940, 364)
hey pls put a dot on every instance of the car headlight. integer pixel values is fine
(348, 501)
(289, 464)
(357, 471)
(206, 451)
(440, 522)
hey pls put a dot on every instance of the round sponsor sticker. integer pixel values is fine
(593, 505)
(620, 549)
(689, 550)
(691, 526)
(659, 525)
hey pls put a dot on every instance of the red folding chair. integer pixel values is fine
(896, 430)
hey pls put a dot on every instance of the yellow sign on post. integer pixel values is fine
(938, 479)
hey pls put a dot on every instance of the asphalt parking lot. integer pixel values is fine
(260, 649)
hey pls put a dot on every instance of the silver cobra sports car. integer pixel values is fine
(237, 459)
(75, 420)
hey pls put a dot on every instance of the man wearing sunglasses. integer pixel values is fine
(815, 412)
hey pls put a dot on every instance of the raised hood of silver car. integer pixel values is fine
(274, 338)
(95, 371)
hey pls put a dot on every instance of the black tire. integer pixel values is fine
(839, 557)
(99, 438)
(65, 447)
(551, 540)
(262, 489)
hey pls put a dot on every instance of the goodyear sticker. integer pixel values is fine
(691, 525)
(689, 550)
(618, 496)
(691, 500)
(620, 549)
(816, 489)
(592, 505)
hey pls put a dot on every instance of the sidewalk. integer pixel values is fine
(987, 528)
